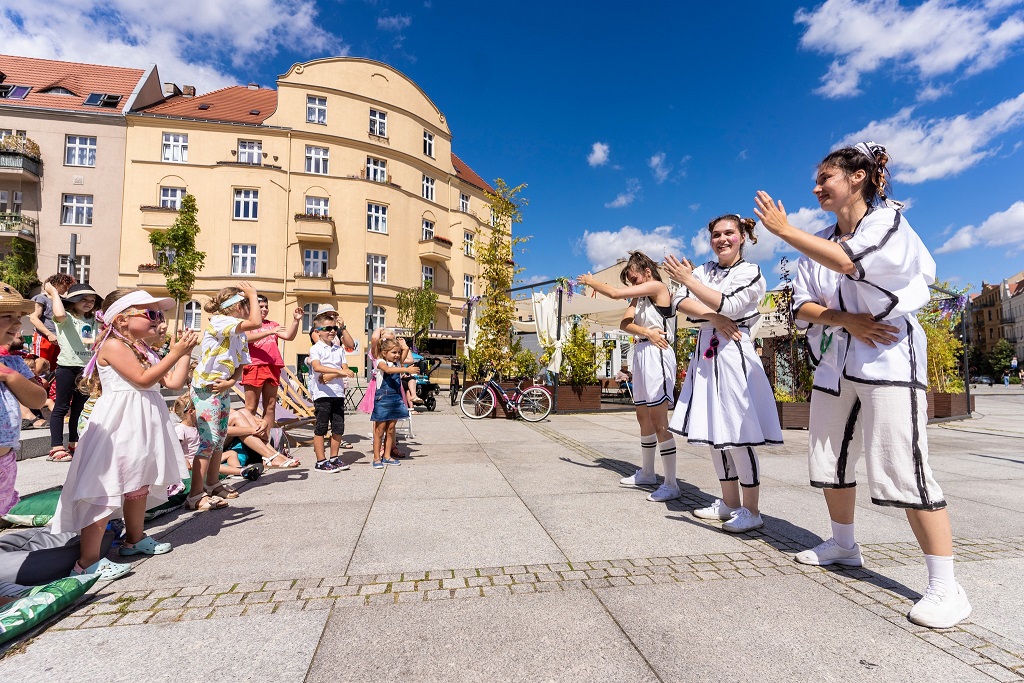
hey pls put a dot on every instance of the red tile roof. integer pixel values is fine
(468, 175)
(81, 79)
(232, 104)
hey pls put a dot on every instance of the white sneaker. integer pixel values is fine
(743, 520)
(941, 606)
(717, 510)
(664, 493)
(831, 552)
(638, 479)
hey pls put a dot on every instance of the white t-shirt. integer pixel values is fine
(329, 357)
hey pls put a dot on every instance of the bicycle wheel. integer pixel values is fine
(534, 404)
(477, 402)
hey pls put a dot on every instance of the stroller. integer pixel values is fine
(425, 388)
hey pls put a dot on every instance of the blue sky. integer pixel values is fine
(632, 127)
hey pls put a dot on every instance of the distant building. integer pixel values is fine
(996, 314)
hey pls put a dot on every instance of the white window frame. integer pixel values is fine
(379, 268)
(428, 230)
(243, 259)
(308, 313)
(378, 123)
(11, 201)
(317, 159)
(426, 273)
(170, 197)
(250, 152)
(376, 170)
(316, 110)
(247, 204)
(469, 244)
(428, 143)
(318, 206)
(175, 148)
(463, 202)
(376, 218)
(193, 312)
(79, 150)
(378, 318)
(76, 209)
(82, 267)
(428, 188)
(467, 286)
(314, 262)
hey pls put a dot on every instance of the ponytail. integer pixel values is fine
(869, 157)
(746, 225)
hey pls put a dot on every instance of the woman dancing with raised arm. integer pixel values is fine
(858, 287)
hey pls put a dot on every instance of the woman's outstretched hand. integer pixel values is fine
(771, 213)
(680, 270)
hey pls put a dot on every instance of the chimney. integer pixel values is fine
(171, 90)
(253, 86)
(188, 90)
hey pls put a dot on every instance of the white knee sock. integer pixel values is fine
(843, 533)
(940, 569)
(648, 446)
(668, 459)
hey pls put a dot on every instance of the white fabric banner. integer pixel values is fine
(545, 315)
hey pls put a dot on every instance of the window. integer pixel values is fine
(428, 276)
(308, 313)
(10, 201)
(170, 197)
(494, 217)
(80, 150)
(316, 159)
(428, 143)
(428, 230)
(4, 132)
(428, 188)
(467, 286)
(376, 170)
(77, 210)
(243, 259)
(81, 270)
(193, 316)
(176, 147)
(247, 205)
(100, 99)
(318, 206)
(376, 318)
(250, 152)
(469, 244)
(314, 263)
(316, 109)
(376, 218)
(379, 268)
(378, 123)
(14, 92)
(463, 202)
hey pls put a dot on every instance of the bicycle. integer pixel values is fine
(532, 404)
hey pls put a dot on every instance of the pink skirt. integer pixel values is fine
(366, 405)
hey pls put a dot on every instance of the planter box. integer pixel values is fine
(579, 399)
(930, 395)
(951, 405)
(794, 415)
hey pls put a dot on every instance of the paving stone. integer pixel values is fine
(997, 672)
(165, 616)
(218, 588)
(258, 596)
(248, 587)
(441, 574)
(277, 585)
(195, 613)
(524, 578)
(346, 601)
(464, 573)
(134, 618)
(439, 595)
(259, 609)
(477, 581)
(373, 588)
(313, 605)
(228, 611)
(342, 591)
(573, 575)
(412, 596)
(453, 583)
(286, 595)
(307, 583)
(294, 606)
(501, 580)
(387, 578)
(1000, 656)
(418, 576)
(497, 591)
(524, 588)
(314, 592)
(335, 581)
(467, 593)
(382, 599)
(193, 590)
(164, 593)
(102, 620)
(174, 603)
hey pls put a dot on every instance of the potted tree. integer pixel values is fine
(939, 320)
(787, 362)
(579, 389)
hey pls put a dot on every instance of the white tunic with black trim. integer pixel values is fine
(726, 400)
(654, 369)
(894, 270)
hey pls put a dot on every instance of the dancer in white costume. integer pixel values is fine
(858, 288)
(726, 400)
(651, 317)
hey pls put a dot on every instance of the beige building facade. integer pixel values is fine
(344, 172)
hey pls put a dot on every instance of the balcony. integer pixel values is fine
(20, 166)
(436, 249)
(157, 217)
(151, 277)
(17, 225)
(308, 283)
(314, 228)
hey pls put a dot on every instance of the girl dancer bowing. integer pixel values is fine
(129, 453)
(858, 288)
(726, 400)
(651, 317)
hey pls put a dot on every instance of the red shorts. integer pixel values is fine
(42, 347)
(258, 375)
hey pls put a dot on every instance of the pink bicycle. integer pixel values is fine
(533, 404)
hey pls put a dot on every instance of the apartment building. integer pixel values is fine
(343, 173)
(62, 160)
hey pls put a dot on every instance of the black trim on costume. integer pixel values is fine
(915, 431)
(856, 258)
(766, 442)
(725, 296)
(749, 486)
(725, 466)
(913, 506)
(884, 382)
(730, 479)
(740, 322)
(743, 360)
(830, 485)
(830, 392)
(844, 448)
(753, 469)
(665, 311)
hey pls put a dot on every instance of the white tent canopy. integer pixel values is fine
(602, 314)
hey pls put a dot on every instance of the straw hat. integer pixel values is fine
(11, 301)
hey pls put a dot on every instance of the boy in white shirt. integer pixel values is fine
(327, 363)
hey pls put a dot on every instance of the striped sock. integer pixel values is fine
(668, 460)
(648, 447)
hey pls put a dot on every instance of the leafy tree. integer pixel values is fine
(999, 357)
(417, 309)
(940, 319)
(579, 357)
(18, 268)
(177, 255)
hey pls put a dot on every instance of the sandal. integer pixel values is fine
(59, 454)
(147, 546)
(202, 502)
(346, 445)
(44, 424)
(107, 570)
(222, 490)
(288, 463)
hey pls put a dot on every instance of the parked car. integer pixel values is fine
(982, 379)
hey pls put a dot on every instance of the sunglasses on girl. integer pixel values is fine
(154, 316)
(712, 346)
(327, 328)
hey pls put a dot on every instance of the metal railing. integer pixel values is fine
(17, 160)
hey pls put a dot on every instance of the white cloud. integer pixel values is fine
(604, 247)
(659, 168)
(930, 93)
(926, 149)
(598, 154)
(196, 42)
(694, 207)
(934, 38)
(742, 156)
(625, 198)
(398, 22)
(534, 279)
(1001, 229)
